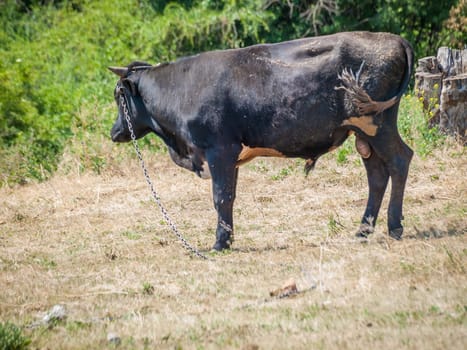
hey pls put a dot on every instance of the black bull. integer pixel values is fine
(302, 98)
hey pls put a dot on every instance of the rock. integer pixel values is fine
(56, 313)
(114, 339)
(289, 288)
(251, 347)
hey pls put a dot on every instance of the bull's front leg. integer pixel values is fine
(222, 165)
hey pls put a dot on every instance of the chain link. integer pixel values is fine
(156, 198)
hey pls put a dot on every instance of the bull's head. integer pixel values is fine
(127, 86)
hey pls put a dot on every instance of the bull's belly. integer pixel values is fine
(249, 153)
(305, 150)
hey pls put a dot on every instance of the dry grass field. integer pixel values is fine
(97, 245)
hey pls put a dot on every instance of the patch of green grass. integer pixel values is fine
(44, 261)
(76, 326)
(334, 226)
(311, 312)
(12, 338)
(282, 174)
(131, 235)
(259, 166)
(415, 129)
(407, 267)
(343, 152)
(148, 288)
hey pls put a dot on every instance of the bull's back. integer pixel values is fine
(285, 93)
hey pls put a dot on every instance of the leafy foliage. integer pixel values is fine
(11, 337)
(55, 89)
(420, 22)
(455, 30)
(63, 68)
(415, 128)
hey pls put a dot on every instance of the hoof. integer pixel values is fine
(220, 246)
(396, 233)
(364, 231)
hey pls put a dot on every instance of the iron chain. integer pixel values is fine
(156, 198)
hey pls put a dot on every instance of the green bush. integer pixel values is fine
(55, 54)
(11, 337)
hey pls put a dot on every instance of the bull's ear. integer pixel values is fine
(120, 71)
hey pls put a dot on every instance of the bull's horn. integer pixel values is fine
(120, 71)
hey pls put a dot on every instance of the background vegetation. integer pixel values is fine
(55, 91)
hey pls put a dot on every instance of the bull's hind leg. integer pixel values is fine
(222, 165)
(377, 123)
(398, 166)
(394, 158)
(378, 177)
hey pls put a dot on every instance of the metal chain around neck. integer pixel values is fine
(156, 198)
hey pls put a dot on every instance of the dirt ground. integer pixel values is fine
(97, 245)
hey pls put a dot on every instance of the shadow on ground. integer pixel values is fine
(436, 233)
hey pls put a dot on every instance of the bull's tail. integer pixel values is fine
(360, 98)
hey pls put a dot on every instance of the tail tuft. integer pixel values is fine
(360, 98)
